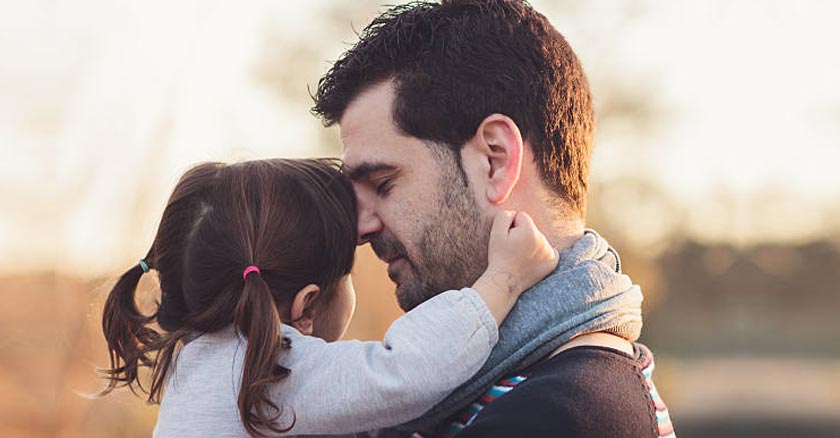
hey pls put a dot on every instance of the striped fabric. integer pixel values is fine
(663, 418)
(468, 414)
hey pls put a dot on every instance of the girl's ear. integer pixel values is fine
(302, 307)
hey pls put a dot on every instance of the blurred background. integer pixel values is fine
(714, 175)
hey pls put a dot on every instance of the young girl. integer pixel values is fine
(253, 261)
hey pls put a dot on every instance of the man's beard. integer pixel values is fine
(452, 248)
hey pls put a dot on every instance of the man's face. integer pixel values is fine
(415, 207)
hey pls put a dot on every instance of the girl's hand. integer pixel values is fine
(519, 256)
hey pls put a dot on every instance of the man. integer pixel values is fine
(448, 112)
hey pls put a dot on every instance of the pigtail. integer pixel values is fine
(256, 317)
(127, 334)
(290, 213)
(165, 349)
(132, 344)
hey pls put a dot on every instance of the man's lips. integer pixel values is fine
(393, 267)
(393, 261)
(388, 258)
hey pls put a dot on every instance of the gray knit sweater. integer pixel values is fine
(338, 387)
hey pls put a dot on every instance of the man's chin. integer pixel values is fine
(407, 297)
(411, 294)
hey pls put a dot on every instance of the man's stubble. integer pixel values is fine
(452, 249)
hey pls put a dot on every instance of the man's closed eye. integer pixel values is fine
(383, 186)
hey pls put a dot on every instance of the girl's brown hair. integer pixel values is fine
(294, 219)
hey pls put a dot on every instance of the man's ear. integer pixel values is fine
(302, 306)
(500, 142)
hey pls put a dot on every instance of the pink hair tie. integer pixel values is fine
(249, 270)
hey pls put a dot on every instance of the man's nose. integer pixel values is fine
(369, 223)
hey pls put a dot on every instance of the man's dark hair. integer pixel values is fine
(458, 61)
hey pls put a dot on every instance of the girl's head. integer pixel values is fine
(293, 219)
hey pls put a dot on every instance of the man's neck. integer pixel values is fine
(560, 223)
(565, 241)
(562, 233)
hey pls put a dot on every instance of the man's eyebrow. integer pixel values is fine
(362, 170)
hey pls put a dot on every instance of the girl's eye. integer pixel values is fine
(383, 187)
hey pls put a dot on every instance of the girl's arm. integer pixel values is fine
(352, 386)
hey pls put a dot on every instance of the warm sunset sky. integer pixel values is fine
(103, 103)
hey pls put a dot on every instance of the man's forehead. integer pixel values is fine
(372, 146)
(364, 151)
(361, 137)
(370, 140)
(372, 105)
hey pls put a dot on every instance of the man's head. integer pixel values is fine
(451, 110)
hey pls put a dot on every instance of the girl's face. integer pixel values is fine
(332, 320)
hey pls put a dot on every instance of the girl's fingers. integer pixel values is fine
(502, 223)
(522, 219)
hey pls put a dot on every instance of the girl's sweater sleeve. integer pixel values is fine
(353, 386)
